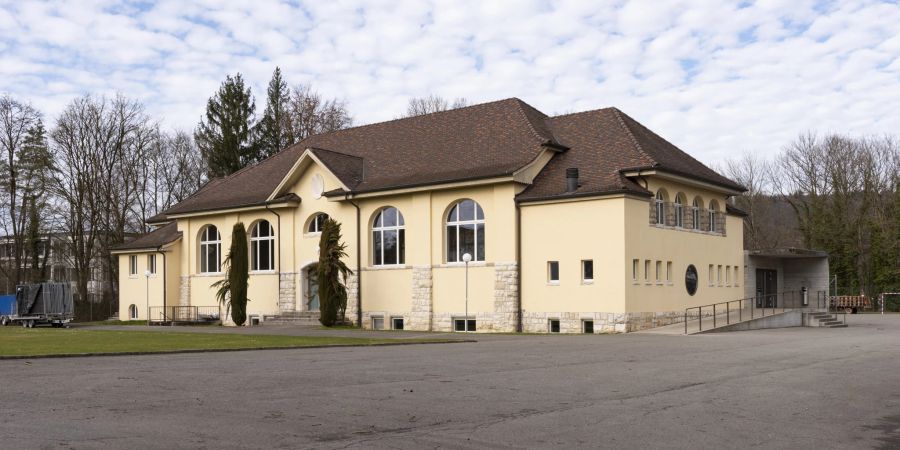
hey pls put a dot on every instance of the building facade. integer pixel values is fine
(586, 222)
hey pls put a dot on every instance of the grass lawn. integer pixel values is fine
(18, 341)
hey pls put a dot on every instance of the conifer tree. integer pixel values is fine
(224, 137)
(273, 132)
(232, 291)
(332, 274)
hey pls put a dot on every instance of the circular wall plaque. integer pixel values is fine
(318, 186)
(690, 279)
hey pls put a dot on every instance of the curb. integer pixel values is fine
(221, 350)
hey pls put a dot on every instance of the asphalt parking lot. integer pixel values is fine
(784, 388)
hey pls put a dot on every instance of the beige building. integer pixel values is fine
(585, 222)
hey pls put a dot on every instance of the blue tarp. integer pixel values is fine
(7, 305)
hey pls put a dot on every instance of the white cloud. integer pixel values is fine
(713, 77)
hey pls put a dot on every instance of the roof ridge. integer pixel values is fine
(582, 112)
(534, 131)
(449, 110)
(336, 152)
(616, 112)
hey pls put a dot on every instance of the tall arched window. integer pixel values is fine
(210, 250)
(316, 223)
(713, 206)
(695, 213)
(388, 238)
(679, 210)
(465, 231)
(660, 207)
(132, 312)
(262, 246)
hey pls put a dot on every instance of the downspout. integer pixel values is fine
(519, 268)
(159, 250)
(358, 263)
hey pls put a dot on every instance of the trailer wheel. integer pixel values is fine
(31, 323)
(24, 324)
(4, 321)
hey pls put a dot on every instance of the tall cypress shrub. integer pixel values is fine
(232, 291)
(332, 273)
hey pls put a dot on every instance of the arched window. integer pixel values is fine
(465, 231)
(695, 213)
(316, 223)
(262, 246)
(660, 207)
(132, 312)
(388, 238)
(210, 250)
(713, 206)
(679, 210)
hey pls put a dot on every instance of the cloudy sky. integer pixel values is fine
(715, 78)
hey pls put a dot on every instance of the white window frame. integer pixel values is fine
(712, 217)
(132, 312)
(550, 326)
(695, 214)
(394, 323)
(151, 263)
(679, 212)
(257, 242)
(550, 279)
(377, 318)
(216, 244)
(379, 231)
(314, 226)
(635, 270)
(584, 278)
(132, 265)
(456, 224)
(660, 207)
(466, 322)
(584, 322)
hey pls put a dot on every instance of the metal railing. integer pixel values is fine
(751, 308)
(183, 314)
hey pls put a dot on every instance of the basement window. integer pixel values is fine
(378, 323)
(554, 325)
(397, 323)
(464, 325)
(587, 326)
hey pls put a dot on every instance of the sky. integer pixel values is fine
(718, 79)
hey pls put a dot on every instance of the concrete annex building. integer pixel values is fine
(585, 222)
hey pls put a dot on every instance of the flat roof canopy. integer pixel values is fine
(788, 252)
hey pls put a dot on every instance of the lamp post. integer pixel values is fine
(147, 277)
(466, 258)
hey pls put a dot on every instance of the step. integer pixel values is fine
(829, 322)
(841, 325)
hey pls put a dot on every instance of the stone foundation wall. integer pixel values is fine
(184, 295)
(352, 292)
(287, 291)
(506, 297)
(603, 322)
(422, 304)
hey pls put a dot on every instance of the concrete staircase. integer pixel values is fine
(823, 319)
(301, 318)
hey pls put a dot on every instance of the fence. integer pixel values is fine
(183, 314)
(735, 311)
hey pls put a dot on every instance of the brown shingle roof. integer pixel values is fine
(604, 142)
(480, 141)
(163, 235)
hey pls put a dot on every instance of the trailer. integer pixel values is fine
(851, 304)
(36, 304)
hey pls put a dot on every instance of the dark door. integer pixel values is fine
(766, 288)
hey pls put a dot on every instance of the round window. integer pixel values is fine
(690, 279)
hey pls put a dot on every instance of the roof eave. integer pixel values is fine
(735, 189)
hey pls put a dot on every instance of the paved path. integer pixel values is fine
(783, 388)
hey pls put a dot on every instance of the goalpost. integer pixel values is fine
(881, 299)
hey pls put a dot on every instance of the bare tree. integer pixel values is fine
(97, 142)
(24, 161)
(308, 114)
(426, 105)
